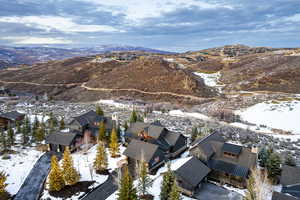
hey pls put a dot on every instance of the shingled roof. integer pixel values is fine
(290, 175)
(232, 148)
(193, 171)
(61, 138)
(229, 168)
(154, 131)
(88, 118)
(14, 115)
(138, 149)
(281, 196)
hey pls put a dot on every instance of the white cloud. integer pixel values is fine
(137, 10)
(293, 18)
(37, 40)
(62, 24)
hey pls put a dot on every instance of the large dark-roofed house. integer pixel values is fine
(290, 180)
(230, 163)
(190, 176)
(150, 153)
(59, 141)
(10, 118)
(170, 142)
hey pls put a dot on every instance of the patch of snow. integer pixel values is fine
(179, 113)
(210, 79)
(18, 167)
(279, 115)
(113, 103)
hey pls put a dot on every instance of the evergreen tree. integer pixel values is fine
(62, 124)
(18, 127)
(194, 134)
(290, 161)
(168, 181)
(273, 167)
(133, 117)
(3, 178)
(3, 140)
(175, 194)
(263, 157)
(40, 134)
(102, 132)
(11, 136)
(126, 189)
(251, 188)
(70, 175)
(36, 124)
(56, 181)
(125, 126)
(144, 180)
(24, 135)
(99, 111)
(27, 126)
(100, 163)
(114, 144)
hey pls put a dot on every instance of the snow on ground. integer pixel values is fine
(280, 115)
(113, 103)
(18, 167)
(179, 113)
(254, 128)
(211, 79)
(83, 162)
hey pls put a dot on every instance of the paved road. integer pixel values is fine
(33, 184)
(103, 191)
(211, 191)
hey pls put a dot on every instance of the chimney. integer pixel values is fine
(254, 149)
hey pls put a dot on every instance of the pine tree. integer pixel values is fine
(251, 188)
(70, 175)
(24, 135)
(273, 167)
(290, 161)
(40, 134)
(102, 132)
(56, 181)
(133, 117)
(100, 163)
(11, 136)
(27, 126)
(62, 124)
(3, 178)
(36, 124)
(126, 189)
(114, 144)
(175, 194)
(194, 134)
(144, 180)
(18, 127)
(3, 140)
(99, 111)
(167, 183)
(125, 126)
(263, 157)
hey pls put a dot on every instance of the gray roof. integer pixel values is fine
(154, 130)
(136, 149)
(12, 115)
(88, 118)
(193, 171)
(137, 127)
(232, 148)
(290, 175)
(172, 137)
(281, 196)
(229, 168)
(61, 138)
(292, 190)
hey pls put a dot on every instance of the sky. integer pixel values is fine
(174, 25)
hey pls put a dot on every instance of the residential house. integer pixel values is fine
(58, 141)
(88, 123)
(191, 175)
(169, 142)
(138, 150)
(281, 196)
(290, 180)
(10, 118)
(230, 163)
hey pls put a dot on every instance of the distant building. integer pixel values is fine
(10, 118)
(230, 163)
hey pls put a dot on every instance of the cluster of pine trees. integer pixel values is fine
(199, 132)
(31, 132)
(63, 175)
(136, 117)
(169, 189)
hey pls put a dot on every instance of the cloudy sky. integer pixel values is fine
(176, 25)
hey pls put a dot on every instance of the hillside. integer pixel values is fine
(92, 78)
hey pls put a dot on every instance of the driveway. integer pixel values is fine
(214, 192)
(33, 184)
